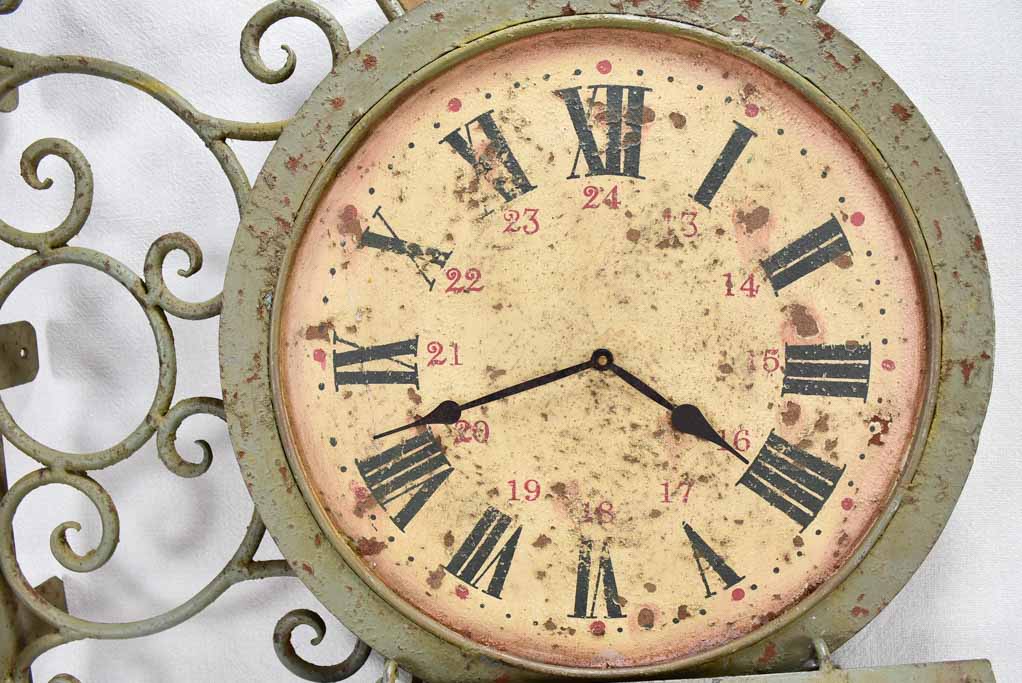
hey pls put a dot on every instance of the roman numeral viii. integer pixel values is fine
(624, 110)
(603, 582)
(358, 356)
(806, 254)
(478, 554)
(722, 167)
(421, 257)
(714, 562)
(513, 183)
(795, 482)
(822, 370)
(413, 470)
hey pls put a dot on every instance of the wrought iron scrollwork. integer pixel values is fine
(152, 293)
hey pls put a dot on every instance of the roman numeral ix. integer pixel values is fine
(624, 110)
(587, 585)
(413, 470)
(359, 356)
(513, 183)
(822, 370)
(791, 480)
(478, 554)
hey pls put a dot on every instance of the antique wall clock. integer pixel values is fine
(603, 340)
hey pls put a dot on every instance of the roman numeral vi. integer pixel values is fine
(604, 582)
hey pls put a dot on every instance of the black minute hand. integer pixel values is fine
(449, 412)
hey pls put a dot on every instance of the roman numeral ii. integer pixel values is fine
(412, 470)
(478, 554)
(806, 254)
(623, 152)
(791, 480)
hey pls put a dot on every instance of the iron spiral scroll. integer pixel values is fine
(152, 293)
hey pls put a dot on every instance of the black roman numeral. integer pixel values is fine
(722, 166)
(795, 482)
(497, 149)
(413, 470)
(704, 553)
(360, 355)
(806, 254)
(624, 149)
(478, 554)
(421, 257)
(823, 370)
(586, 585)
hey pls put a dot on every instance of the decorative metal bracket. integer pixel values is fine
(34, 620)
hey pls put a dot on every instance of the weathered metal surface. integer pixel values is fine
(977, 671)
(34, 620)
(19, 354)
(822, 64)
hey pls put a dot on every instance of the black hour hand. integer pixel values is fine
(688, 419)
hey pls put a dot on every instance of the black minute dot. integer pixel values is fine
(670, 79)
(488, 95)
(754, 587)
(372, 190)
(436, 125)
(884, 341)
(322, 386)
(507, 616)
(804, 152)
(390, 539)
(699, 87)
(333, 271)
(777, 570)
(639, 72)
(869, 253)
(344, 468)
(780, 131)
(326, 300)
(841, 200)
(620, 630)
(411, 145)
(333, 441)
(823, 174)
(862, 456)
(517, 84)
(675, 620)
(728, 99)
(703, 612)
(578, 72)
(883, 311)
(372, 517)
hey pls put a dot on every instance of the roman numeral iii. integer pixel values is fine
(513, 183)
(421, 257)
(358, 357)
(587, 585)
(821, 370)
(791, 480)
(413, 470)
(806, 254)
(478, 554)
(722, 167)
(714, 562)
(624, 110)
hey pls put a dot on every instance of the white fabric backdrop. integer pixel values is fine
(956, 60)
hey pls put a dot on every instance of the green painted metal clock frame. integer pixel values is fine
(791, 42)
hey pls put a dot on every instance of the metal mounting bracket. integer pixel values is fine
(19, 354)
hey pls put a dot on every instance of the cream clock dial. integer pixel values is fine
(604, 349)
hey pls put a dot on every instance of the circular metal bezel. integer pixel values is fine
(831, 72)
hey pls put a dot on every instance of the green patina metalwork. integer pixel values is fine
(32, 619)
(793, 43)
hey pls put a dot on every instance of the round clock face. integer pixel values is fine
(603, 349)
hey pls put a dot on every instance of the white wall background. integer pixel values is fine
(959, 61)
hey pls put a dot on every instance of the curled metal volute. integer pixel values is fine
(299, 667)
(8, 6)
(160, 295)
(62, 552)
(81, 206)
(271, 14)
(166, 436)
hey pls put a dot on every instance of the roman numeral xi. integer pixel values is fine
(510, 184)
